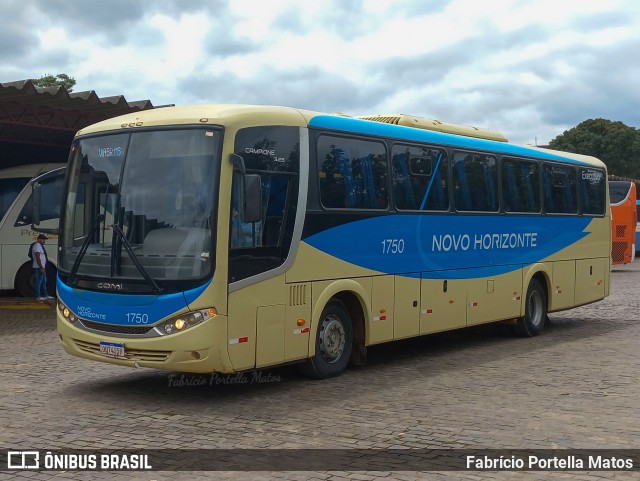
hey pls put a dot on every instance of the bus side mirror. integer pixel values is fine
(46, 193)
(252, 198)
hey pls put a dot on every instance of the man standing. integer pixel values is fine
(40, 267)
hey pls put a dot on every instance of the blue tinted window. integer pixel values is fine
(420, 178)
(353, 173)
(475, 182)
(520, 185)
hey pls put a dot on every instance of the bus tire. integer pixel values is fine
(535, 311)
(25, 281)
(334, 339)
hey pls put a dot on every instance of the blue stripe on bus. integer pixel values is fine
(113, 308)
(358, 126)
(460, 243)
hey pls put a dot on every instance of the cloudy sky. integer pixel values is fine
(527, 68)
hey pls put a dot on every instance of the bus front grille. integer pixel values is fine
(130, 354)
(115, 329)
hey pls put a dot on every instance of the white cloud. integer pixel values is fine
(528, 68)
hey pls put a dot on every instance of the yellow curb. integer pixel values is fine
(25, 304)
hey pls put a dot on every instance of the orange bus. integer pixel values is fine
(622, 194)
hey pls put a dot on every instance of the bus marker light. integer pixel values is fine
(451, 301)
(473, 304)
(382, 311)
(212, 312)
(301, 331)
(301, 322)
(239, 340)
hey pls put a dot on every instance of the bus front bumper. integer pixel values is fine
(200, 349)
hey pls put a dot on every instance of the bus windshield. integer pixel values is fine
(9, 190)
(618, 191)
(139, 210)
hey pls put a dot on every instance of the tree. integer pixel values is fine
(60, 80)
(615, 143)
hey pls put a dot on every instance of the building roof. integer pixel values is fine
(38, 124)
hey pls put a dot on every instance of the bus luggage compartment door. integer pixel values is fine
(590, 280)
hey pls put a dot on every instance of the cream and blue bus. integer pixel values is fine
(227, 238)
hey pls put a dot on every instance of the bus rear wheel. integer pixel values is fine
(334, 339)
(535, 312)
(25, 281)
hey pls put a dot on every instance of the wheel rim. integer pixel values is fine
(535, 308)
(332, 339)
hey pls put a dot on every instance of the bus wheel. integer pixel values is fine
(25, 282)
(334, 340)
(535, 313)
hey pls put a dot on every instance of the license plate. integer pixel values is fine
(114, 349)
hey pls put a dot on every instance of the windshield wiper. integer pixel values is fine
(83, 250)
(134, 258)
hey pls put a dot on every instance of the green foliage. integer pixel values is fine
(60, 80)
(615, 143)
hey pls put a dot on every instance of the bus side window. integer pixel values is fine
(402, 185)
(352, 173)
(10, 189)
(462, 196)
(419, 178)
(546, 184)
(593, 188)
(275, 209)
(50, 201)
(560, 189)
(520, 181)
(243, 234)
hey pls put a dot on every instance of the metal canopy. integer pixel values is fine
(38, 124)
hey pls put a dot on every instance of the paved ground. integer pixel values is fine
(576, 386)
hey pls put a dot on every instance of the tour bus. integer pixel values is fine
(227, 238)
(16, 234)
(622, 195)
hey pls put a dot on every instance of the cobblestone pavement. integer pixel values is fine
(576, 386)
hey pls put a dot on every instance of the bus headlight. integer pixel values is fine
(184, 321)
(66, 312)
